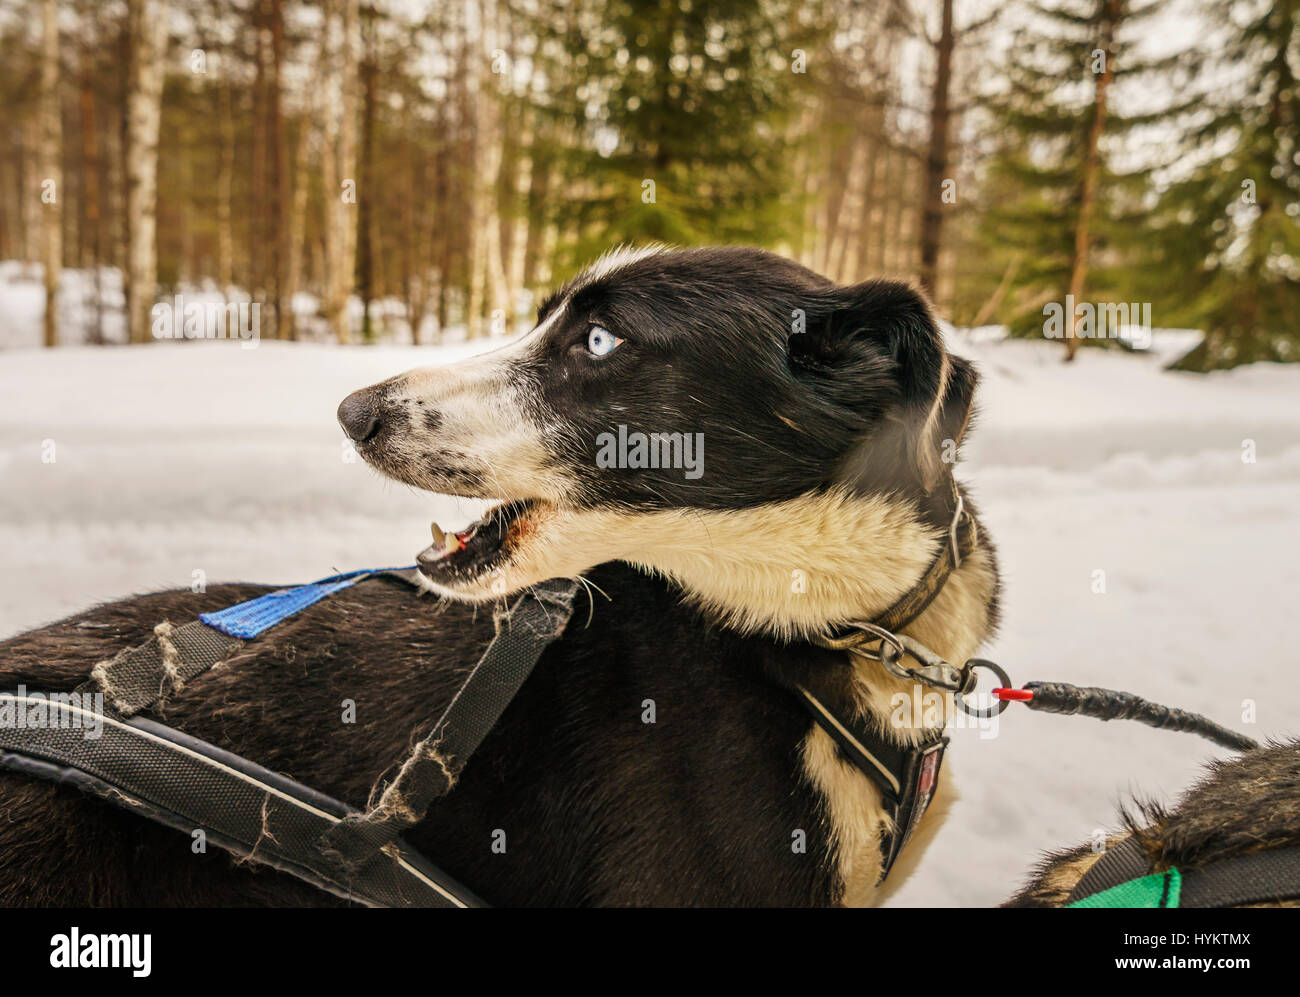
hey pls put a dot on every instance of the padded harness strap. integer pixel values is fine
(1123, 862)
(192, 786)
(1256, 877)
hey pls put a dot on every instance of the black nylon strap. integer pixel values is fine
(190, 785)
(1257, 877)
(533, 623)
(1118, 864)
(906, 775)
(140, 676)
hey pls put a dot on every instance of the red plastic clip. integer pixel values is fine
(1015, 695)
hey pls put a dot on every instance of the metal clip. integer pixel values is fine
(986, 712)
(934, 672)
(860, 633)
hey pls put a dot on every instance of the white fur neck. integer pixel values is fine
(789, 569)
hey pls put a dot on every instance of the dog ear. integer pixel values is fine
(875, 350)
(952, 414)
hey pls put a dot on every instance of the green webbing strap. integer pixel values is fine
(1123, 878)
(1160, 889)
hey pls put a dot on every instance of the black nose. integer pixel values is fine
(359, 415)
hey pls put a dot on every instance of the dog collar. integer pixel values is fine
(906, 775)
(963, 538)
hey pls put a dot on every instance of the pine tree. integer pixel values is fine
(1228, 232)
(1063, 214)
(684, 143)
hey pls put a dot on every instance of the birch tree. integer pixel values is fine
(147, 39)
(51, 146)
(342, 31)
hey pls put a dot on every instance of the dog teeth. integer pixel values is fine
(445, 543)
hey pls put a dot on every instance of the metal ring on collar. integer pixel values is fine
(984, 712)
(861, 632)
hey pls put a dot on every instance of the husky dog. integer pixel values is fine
(737, 457)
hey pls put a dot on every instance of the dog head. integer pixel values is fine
(663, 388)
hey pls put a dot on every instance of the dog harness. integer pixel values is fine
(191, 785)
(1123, 877)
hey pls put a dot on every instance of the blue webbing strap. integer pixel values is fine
(137, 677)
(256, 616)
(175, 780)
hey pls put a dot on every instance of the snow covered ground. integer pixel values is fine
(178, 458)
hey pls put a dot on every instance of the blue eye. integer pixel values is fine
(601, 342)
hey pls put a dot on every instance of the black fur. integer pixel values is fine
(597, 806)
(781, 371)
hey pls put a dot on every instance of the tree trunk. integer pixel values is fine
(472, 171)
(441, 215)
(867, 226)
(297, 223)
(1113, 11)
(539, 183)
(91, 209)
(936, 162)
(369, 176)
(514, 141)
(278, 160)
(339, 173)
(121, 190)
(897, 207)
(258, 229)
(414, 263)
(147, 30)
(225, 177)
(51, 145)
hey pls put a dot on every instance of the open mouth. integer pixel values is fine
(465, 555)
